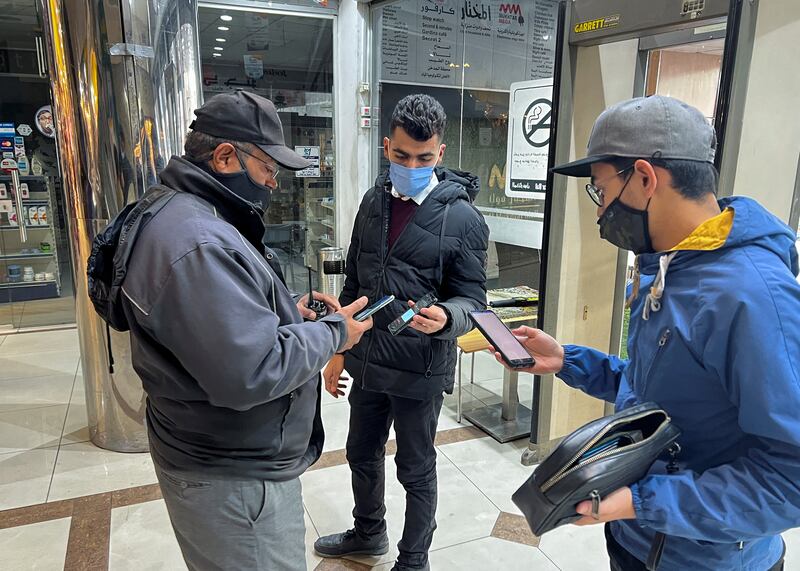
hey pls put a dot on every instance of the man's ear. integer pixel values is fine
(386, 147)
(648, 175)
(223, 159)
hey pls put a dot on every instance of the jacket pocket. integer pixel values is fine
(663, 341)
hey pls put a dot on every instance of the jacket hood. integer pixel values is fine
(453, 184)
(753, 225)
(183, 175)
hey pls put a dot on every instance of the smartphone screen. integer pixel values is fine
(500, 336)
(380, 304)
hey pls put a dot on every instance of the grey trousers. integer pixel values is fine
(227, 525)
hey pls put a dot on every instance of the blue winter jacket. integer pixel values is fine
(722, 356)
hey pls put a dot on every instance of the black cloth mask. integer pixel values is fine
(626, 227)
(242, 185)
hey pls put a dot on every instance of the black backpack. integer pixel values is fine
(108, 264)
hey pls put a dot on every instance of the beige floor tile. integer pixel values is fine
(39, 546)
(76, 428)
(491, 553)
(32, 365)
(493, 467)
(792, 539)
(142, 539)
(40, 342)
(312, 559)
(463, 514)
(24, 394)
(25, 477)
(35, 428)
(84, 469)
(574, 548)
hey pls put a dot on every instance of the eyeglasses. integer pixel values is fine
(273, 170)
(596, 193)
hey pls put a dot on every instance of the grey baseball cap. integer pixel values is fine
(646, 127)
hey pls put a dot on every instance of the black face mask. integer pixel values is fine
(242, 185)
(626, 227)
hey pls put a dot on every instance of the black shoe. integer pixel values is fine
(400, 567)
(349, 543)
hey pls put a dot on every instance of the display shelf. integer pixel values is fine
(26, 256)
(25, 178)
(27, 226)
(6, 285)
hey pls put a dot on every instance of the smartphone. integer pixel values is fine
(377, 306)
(404, 320)
(500, 336)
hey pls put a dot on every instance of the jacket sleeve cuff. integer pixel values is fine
(338, 329)
(647, 514)
(571, 369)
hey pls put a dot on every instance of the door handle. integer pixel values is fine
(23, 233)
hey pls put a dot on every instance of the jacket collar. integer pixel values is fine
(183, 175)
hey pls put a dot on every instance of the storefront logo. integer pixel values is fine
(597, 24)
(510, 13)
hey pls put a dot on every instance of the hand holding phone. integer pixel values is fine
(355, 329)
(502, 339)
(404, 320)
(375, 307)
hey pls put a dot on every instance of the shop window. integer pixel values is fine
(289, 60)
(467, 55)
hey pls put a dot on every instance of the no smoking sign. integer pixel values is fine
(536, 123)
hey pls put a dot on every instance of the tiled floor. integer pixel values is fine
(46, 456)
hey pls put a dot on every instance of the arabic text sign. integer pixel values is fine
(530, 114)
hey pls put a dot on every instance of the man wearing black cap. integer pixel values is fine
(231, 371)
(714, 340)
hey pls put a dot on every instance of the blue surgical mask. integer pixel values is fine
(410, 182)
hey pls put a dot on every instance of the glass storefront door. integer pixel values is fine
(467, 56)
(35, 276)
(289, 59)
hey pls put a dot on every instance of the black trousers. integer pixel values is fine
(371, 415)
(623, 560)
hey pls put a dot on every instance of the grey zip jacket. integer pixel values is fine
(231, 371)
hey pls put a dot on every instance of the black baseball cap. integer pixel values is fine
(247, 118)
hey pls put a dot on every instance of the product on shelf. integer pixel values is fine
(43, 215)
(24, 190)
(3, 190)
(33, 216)
(14, 273)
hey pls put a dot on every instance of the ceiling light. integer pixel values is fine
(218, 48)
(226, 18)
(220, 40)
(217, 55)
(223, 28)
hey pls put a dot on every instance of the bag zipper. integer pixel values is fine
(566, 470)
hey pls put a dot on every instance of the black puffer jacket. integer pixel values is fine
(443, 249)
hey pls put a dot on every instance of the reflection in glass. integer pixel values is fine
(289, 60)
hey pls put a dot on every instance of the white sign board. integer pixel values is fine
(310, 154)
(530, 112)
(253, 66)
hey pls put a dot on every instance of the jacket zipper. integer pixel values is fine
(662, 342)
(568, 468)
(379, 286)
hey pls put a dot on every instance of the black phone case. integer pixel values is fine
(399, 325)
(523, 365)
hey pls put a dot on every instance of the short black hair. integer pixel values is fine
(692, 179)
(420, 115)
